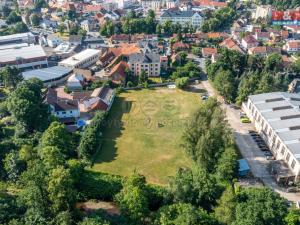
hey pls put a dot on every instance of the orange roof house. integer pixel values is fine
(208, 52)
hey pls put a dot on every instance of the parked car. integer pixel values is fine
(204, 97)
(292, 189)
(268, 153)
(245, 120)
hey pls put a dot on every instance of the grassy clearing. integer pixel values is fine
(144, 133)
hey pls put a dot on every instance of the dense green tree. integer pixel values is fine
(260, 206)
(225, 211)
(143, 78)
(224, 82)
(34, 195)
(183, 214)
(8, 208)
(91, 138)
(132, 200)
(38, 4)
(10, 76)
(293, 217)
(13, 17)
(207, 135)
(26, 105)
(296, 66)
(13, 165)
(227, 168)
(19, 27)
(182, 82)
(52, 156)
(61, 29)
(195, 186)
(93, 221)
(6, 10)
(61, 190)
(274, 62)
(35, 19)
(248, 85)
(53, 137)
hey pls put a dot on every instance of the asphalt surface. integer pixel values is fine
(248, 148)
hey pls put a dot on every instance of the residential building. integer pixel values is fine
(262, 11)
(276, 117)
(249, 42)
(75, 39)
(292, 46)
(154, 5)
(149, 62)
(75, 82)
(231, 44)
(115, 73)
(263, 50)
(184, 18)
(82, 60)
(50, 76)
(94, 43)
(23, 56)
(208, 52)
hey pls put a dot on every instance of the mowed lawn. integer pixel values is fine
(144, 132)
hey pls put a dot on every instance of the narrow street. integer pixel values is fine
(248, 148)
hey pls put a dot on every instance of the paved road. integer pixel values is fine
(248, 147)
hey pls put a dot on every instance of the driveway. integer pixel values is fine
(248, 148)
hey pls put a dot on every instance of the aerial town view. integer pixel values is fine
(150, 112)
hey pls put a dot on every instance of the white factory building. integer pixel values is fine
(82, 60)
(276, 117)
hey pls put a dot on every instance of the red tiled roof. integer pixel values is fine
(209, 51)
(294, 44)
(210, 3)
(250, 39)
(92, 8)
(119, 69)
(181, 45)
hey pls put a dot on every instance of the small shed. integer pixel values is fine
(243, 167)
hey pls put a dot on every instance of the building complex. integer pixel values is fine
(276, 117)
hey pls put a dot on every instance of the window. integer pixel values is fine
(293, 164)
(278, 145)
(63, 113)
(282, 151)
(71, 112)
(288, 157)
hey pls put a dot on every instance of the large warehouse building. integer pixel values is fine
(50, 76)
(23, 56)
(277, 118)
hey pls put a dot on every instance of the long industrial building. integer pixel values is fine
(276, 117)
(23, 56)
(82, 60)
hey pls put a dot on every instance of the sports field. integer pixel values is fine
(144, 131)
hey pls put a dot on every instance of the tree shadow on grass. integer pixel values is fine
(113, 130)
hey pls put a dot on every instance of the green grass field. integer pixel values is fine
(144, 132)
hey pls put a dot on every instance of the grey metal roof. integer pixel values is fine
(144, 58)
(169, 14)
(47, 74)
(282, 112)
